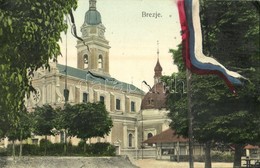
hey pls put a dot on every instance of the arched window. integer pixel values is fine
(85, 61)
(130, 140)
(100, 61)
(149, 135)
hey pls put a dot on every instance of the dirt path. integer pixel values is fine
(151, 163)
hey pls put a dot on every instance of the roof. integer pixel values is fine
(158, 69)
(167, 136)
(99, 79)
(158, 66)
(155, 98)
(92, 16)
(251, 147)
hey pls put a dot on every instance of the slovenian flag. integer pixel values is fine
(193, 55)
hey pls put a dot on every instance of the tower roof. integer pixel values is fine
(92, 16)
(158, 69)
(156, 97)
(158, 66)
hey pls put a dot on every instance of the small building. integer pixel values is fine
(252, 151)
(171, 146)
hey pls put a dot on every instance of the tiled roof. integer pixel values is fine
(99, 79)
(166, 136)
(155, 98)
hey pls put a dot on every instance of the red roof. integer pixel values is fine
(251, 147)
(166, 136)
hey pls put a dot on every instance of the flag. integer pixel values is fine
(192, 51)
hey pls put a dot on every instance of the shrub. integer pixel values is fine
(221, 157)
(3, 152)
(57, 149)
(42, 142)
(32, 150)
(102, 149)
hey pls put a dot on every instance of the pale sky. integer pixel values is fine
(132, 37)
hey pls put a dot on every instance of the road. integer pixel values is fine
(151, 163)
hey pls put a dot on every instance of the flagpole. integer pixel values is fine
(190, 118)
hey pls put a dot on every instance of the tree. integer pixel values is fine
(22, 131)
(234, 39)
(29, 35)
(218, 115)
(43, 118)
(89, 120)
(203, 93)
(63, 122)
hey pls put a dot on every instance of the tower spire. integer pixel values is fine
(157, 49)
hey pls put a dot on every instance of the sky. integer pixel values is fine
(133, 36)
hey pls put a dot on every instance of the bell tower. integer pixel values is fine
(93, 53)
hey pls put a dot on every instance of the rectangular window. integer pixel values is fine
(102, 99)
(132, 106)
(118, 104)
(85, 97)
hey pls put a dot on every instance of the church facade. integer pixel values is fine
(135, 115)
(91, 82)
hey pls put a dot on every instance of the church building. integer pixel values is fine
(136, 116)
(91, 82)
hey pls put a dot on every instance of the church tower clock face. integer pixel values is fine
(36, 95)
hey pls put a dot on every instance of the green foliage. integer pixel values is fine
(102, 149)
(31, 30)
(63, 118)
(89, 120)
(44, 142)
(29, 35)
(43, 118)
(234, 40)
(24, 128)
(31, 150)
(56, 149)
(231, 35)
(177, 59)
(12, 91)
(222, 157)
